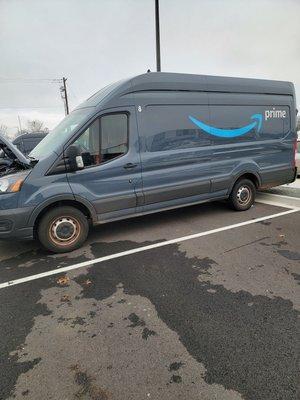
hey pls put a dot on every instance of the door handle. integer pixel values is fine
(130, 165)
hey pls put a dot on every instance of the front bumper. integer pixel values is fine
(13, 223)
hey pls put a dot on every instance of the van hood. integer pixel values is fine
(12, 160)
(13, 153)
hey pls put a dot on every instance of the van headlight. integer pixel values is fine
(11, 184)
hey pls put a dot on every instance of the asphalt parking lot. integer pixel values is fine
(209, 316)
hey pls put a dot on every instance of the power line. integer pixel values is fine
(50, 80)
(26, 107)
(30, 83)
(61, 81)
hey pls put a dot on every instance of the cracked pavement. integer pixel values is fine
(215, 317)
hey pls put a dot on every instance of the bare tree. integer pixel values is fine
(35, 125)
(3, 129)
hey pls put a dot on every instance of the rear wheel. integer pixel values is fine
(242, 195)
(63, 229)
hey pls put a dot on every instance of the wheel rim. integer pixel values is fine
(64, 230)
(244, 195)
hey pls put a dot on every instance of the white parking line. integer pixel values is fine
(272, 199)
(294, 185)
(284, 196)
(275, 203)
(141, 249)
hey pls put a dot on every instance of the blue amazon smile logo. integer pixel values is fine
(229, 133)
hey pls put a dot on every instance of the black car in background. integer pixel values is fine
(24, 144)
(28, 141)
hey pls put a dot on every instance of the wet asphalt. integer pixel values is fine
(215, 317)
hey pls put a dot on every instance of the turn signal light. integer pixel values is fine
(16, 186)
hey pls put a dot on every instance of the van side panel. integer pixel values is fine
(175, 159)
(195, 145)
(266, 149)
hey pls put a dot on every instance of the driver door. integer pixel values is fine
(111, 179)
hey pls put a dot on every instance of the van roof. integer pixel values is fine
(169, 81)
(208, 83)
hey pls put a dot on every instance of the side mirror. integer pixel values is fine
(73, 158)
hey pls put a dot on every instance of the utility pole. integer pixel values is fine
(64, 95)
(158, 64)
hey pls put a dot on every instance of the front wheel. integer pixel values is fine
(242, 196)
(63, 229)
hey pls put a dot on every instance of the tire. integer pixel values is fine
(242, 196)
(63, 229)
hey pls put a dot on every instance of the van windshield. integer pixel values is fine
(59, 135)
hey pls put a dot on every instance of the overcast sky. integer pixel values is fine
(95, 42)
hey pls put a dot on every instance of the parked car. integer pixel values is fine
(28, 141)
(154, 142)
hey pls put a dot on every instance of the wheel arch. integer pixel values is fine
(81, 204)
(251, 175)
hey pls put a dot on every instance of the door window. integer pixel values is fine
(104, 140)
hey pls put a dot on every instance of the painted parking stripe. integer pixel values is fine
(141, 249)
(272, 199)
(273, 202)
(284, 196)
